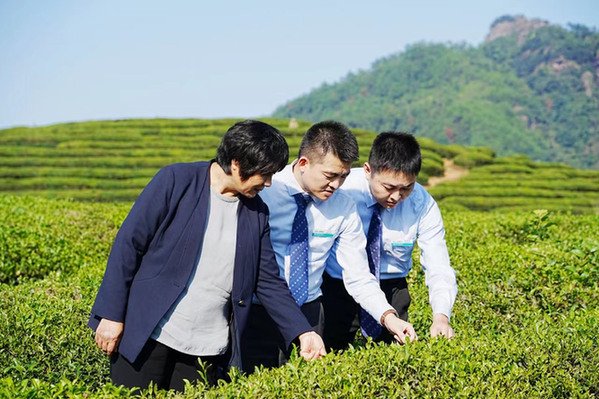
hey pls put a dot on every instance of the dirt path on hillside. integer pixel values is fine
(452, 172)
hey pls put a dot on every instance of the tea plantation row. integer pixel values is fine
(518, 183)
(526, 316)
(113, 160)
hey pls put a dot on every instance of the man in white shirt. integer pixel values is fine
(392, 204)
(330, 224)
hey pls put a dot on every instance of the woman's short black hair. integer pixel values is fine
(258, 148)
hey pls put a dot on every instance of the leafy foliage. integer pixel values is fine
(34, 245)
(526, 317)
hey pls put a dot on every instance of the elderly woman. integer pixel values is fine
(185, 263)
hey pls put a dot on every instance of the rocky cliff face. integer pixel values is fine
(514, 25)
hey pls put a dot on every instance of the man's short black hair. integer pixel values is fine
(329, 136)
(395, 152)
(258, 148)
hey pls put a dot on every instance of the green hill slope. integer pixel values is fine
(519, 183)
(531, 88)
(114, 160)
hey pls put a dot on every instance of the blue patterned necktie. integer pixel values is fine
(370, 327)
(298, 251)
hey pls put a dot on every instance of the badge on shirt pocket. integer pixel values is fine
(322, 234)
(398, 244)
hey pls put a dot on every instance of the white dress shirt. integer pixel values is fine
(417, 219)
(333, 225)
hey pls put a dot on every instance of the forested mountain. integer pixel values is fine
(531, 87)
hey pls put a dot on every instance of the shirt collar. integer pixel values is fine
(371, 201)
(417, 197)
(291, 183)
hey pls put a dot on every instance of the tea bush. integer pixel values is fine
(82, 160)
(38, 237)
(112, 161)
(526, 316)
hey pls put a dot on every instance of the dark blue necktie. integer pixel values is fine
(298, 251)
(370, 327)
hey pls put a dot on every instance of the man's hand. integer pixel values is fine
(108, 335)
(311, 346)
(399, 329)
(441, 327)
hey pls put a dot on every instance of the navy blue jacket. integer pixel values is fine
(159, 245)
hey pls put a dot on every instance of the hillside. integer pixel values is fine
(114, 160)
(530, 88)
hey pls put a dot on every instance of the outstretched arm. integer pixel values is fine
(274, 294)
(439, 275)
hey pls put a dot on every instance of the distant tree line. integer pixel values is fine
(537, 95)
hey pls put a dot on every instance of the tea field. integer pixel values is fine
(113, 160)
(526, 317)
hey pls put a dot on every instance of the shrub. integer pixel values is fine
(38, 237)
(526, 318)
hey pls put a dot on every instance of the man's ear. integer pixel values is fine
(367, 170)
(234, 166)
(302, 162)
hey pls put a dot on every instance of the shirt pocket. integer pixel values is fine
(321, 243)
(401, 252)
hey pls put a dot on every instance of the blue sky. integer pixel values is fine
(104, 59)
